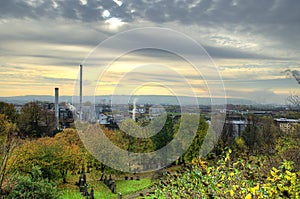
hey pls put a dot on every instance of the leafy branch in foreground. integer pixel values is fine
(231, 179)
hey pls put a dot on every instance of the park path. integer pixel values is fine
(141, 193)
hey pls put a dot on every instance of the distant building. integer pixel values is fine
(138, 109)
(235, 127)
(18, 107)
(104, 119)
(286, 125)
(65, 117)
(156, 111)
(263, 113)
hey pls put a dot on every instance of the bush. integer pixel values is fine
(34, 187)
(231, 179)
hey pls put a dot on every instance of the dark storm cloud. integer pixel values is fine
(277, 20)
(218, 12)
(186, 11)
(71, 9)
(223, 52)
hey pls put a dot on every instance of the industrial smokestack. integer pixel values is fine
(134, 109)
(80, 94)
(56, 90)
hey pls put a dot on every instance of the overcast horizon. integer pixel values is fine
(255, 45)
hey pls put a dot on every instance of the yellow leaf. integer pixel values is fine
(248, 196)
(288, 173)
(231, 192)
(223, 177)
(274, 169)
(273, 173)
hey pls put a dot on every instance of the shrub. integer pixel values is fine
(231, 179)
(34, 187)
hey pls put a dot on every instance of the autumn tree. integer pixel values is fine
(54, 156)
(227, 139)
(35, 121)
(250, 134)
(288, 147)
(8, 140)
(8, 110)
(268, 135)
(261, 135)
(71, 138)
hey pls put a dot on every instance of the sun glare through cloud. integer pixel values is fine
(114, 23)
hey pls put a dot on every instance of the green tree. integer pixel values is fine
(165, 135)
(34, 186)
(193, 149)
(136, 144)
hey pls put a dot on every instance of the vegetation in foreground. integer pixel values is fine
(231, 179)
(263, 162)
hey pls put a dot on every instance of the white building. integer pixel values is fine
(287, 125)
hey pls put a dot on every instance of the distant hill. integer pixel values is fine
(30, 98)
(124, 99)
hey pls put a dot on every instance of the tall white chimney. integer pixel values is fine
(80, 94)
(56, 90)
(134, 109)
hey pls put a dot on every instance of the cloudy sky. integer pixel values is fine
(255, 45)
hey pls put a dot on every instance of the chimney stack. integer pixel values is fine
(57, 107)
(80, 94)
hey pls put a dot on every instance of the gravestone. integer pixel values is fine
(105, 180)
(110, 183)
(81, 185)
(92, 194)
(119, 195)
(102, 177)
(84, 178)
(85, 190)
(113, 187)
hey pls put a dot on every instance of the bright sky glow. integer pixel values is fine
(253, 43)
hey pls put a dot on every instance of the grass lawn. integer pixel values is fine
(101, 191)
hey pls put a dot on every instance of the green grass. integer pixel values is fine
(101, 191)
(130, 186)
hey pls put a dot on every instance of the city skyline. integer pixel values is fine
(253, 44)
